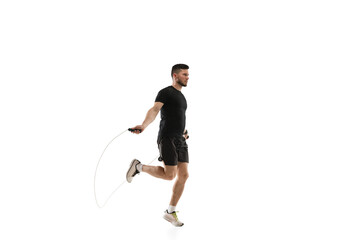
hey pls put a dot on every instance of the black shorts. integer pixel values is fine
(173, 150)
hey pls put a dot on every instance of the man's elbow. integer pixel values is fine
(156, 109)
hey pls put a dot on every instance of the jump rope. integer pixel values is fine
(96, 199)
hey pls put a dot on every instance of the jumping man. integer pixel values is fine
(171, 139)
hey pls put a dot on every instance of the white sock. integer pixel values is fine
(139, 167)
(171, 209)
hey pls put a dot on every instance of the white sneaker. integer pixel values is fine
(173, 219)
(132, 170)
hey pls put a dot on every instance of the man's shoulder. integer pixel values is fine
(168, 88)
(163, 95)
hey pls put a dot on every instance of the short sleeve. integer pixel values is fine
(162, 96)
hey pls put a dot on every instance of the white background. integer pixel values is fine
(273, 118)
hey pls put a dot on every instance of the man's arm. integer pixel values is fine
(150, 117)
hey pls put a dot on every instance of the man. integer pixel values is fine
(171, 139)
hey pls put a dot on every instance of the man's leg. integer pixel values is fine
(169, 157)
(166, 172)
(182, 176)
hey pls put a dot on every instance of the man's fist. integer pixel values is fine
(137, 129)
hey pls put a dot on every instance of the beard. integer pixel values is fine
(182, 83)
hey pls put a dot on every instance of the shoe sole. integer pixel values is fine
(170, 221)
(132, 170)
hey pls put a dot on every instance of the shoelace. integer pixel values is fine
(174, 215)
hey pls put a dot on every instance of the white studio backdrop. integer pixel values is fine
(273, 116)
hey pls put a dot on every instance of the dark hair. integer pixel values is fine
(177, 67)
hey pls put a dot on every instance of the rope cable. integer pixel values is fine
(96, 169)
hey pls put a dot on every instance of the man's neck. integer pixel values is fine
(177, 86)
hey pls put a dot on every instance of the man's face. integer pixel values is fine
(182, 77)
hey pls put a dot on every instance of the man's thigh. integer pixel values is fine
(170, 171)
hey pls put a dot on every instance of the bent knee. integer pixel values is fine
(183, 176)
(170, 175)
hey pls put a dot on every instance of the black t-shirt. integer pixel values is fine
(173, 117)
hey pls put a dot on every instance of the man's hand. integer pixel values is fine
(186, 134)
(138, 129)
